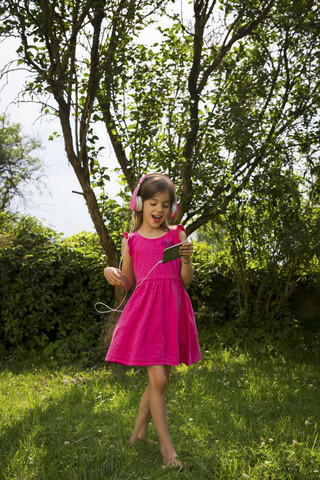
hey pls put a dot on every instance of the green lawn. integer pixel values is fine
(232, 416)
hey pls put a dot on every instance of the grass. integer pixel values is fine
(232, 416)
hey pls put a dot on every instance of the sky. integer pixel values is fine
(56, 206)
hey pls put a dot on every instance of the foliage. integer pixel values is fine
(273, 233)
(18, 166)
(234, 415)
(48, 288)
(268, 239)
(217, 99)
(218, 298)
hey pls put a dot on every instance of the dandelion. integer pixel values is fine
(271, 440)
(67, 443)
(263, 444)
(267, 463)
(307, 422)
(244, 475)
(295, 443)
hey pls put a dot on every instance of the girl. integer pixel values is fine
(157, 328)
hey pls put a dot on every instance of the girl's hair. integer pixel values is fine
(151, 186)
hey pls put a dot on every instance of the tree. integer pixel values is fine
(211, 104)
(18, 166)
(61, 45)
(215, 105)
(208, 105)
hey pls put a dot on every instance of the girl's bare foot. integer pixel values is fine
(135, 440)
(172, 462)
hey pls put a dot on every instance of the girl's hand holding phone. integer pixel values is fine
(115, 277)
(186, 251)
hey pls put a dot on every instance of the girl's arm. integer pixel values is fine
(185, 250)
(122, 279)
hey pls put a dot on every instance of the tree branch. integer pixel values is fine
(241, 33)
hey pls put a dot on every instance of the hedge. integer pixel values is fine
(49, 285)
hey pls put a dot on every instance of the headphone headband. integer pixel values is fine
(136, 202)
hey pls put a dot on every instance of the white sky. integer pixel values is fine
(57, 207)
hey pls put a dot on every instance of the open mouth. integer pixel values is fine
(157, 218)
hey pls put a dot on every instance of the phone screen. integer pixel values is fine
(171, 253)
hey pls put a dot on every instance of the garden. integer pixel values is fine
(249, 409)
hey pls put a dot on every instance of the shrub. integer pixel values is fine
(48, 287)
(216, 295)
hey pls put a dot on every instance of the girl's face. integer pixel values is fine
(156, 210)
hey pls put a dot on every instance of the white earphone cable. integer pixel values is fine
(109, 309)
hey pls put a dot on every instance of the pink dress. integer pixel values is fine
(157, 326)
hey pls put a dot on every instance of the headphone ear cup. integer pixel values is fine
(139, 204)
(174, 209)
(133, 201)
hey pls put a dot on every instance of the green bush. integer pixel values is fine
(48, 287)
(216, 295)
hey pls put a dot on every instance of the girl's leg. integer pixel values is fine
(158, 383)
(143, 419)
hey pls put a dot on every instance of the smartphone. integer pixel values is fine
(171, 253)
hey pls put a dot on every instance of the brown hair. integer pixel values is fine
(151, 186)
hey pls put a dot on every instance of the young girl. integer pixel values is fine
(157, 328)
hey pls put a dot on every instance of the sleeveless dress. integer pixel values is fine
(157, 325)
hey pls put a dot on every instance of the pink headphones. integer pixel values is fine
(136, 202)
